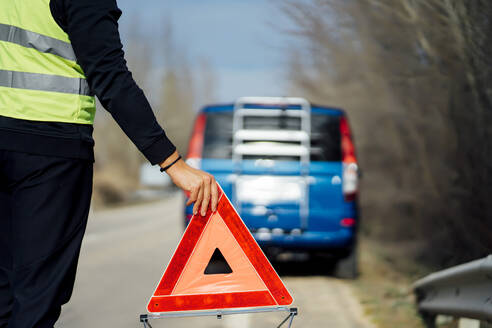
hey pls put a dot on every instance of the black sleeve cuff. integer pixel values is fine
(161, 149)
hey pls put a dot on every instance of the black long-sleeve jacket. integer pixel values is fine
(92, 26)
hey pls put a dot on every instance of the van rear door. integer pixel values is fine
(272, 189)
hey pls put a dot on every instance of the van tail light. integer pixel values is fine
(350, 185)
(347, 222)
(195, 147)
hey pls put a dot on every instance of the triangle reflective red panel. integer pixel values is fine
(218, 265)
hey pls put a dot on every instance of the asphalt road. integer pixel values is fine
(125, 252)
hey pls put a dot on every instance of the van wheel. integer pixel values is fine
(347, 267)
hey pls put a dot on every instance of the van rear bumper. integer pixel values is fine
(307, 240)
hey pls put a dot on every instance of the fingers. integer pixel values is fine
(206, 194)
(215, 194)
(193, 196)
(198, 201)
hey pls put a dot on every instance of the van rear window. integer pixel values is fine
(218, 135)
(325, 134)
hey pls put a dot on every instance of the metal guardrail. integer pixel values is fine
(463, 291)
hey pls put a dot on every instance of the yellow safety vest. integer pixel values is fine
(40, 79)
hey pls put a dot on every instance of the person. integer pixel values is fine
(55, 55)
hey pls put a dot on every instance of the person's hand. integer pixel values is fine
(200, 185)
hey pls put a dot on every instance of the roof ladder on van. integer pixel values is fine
(272, 143)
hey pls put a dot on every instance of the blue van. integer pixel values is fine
(289, 168)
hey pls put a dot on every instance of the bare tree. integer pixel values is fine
(172, 86)
(177, 95)
(415, 76)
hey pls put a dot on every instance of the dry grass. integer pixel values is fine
(385, 292)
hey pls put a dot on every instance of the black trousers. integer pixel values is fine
(44, 205)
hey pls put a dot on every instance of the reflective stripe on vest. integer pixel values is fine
(43, 82)
(41, 43)
(39, 76)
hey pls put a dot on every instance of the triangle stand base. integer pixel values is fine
(145, 318)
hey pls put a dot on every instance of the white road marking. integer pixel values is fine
(237, 321)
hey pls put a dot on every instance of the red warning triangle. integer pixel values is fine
(245, 279)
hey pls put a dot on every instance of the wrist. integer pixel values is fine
(174, 156)
(179, 165)
(167, 167)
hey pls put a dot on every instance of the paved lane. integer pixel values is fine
(124, 255)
